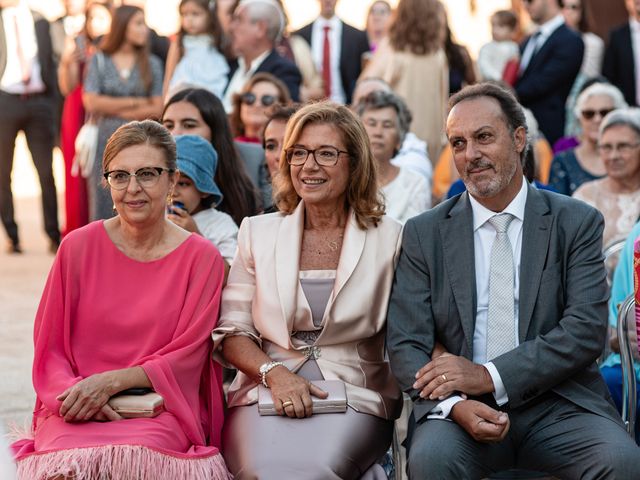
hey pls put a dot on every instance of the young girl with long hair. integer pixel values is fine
(195, 57)
(196, 111)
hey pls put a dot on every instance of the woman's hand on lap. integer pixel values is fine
(294, 392)
(85, 399)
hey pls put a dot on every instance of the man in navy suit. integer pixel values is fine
(254, 28)
(550, 61)
(27, 100)
(344, 45)
(622, 56)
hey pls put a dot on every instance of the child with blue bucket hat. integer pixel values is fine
(196, 195)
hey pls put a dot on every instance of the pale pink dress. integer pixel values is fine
(102, 310)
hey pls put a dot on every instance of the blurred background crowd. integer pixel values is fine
(234, 71)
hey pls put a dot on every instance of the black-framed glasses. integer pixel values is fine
(266, 100)
(146, 177)
(623, 148)
(588, 114)
(326, 156)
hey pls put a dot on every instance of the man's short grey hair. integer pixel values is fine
(268, 11)
(627, 117)
(599, 89)
(379, 99)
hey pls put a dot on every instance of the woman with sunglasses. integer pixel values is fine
(250, 106)
(129, 304)
(306, 301)
(571, 168)
(617, 195)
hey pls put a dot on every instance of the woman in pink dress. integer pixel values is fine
(70, 72)
(129, 303)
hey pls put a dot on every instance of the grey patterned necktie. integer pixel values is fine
(500, 321)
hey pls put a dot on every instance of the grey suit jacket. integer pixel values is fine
(563, 301)
(255, 166)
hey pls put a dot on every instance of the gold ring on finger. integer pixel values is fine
(286, 404)
(444, 377)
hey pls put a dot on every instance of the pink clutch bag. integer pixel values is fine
(148, 405)
(336, 402)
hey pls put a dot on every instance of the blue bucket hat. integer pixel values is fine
(198, 160)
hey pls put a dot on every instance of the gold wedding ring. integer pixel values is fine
(444, 377)
(286, 404)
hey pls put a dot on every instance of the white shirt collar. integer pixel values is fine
(332, 22)
(550, 26)
(516, 208)
(254, 64)
(634, 24)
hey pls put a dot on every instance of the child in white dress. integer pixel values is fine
(195, 57)
(493, 56)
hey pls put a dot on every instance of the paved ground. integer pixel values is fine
(22, 278)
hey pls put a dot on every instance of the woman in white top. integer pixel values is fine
(386, 119)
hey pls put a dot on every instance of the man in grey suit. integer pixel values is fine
(509, 282)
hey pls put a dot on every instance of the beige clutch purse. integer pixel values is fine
(336, 402)
(148, 405)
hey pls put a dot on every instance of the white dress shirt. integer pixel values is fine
(317, 50)
(535, 44)
(11, 81)
(635, 47)
(240, 77)
(483, 237)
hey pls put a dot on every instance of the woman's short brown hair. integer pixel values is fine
(283, 92)
(362, 190)
(139, 133)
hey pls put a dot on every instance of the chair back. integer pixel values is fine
(627, 318)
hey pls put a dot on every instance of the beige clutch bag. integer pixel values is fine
(336, 402)
(148, 405)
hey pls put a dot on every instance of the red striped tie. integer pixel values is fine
(326, 62)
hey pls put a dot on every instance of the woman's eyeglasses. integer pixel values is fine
(589, 114)
(623, 148)
(266, 100)
(324, 156)
(146, 177)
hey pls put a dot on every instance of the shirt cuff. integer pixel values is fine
(443, 409)
(499, 393)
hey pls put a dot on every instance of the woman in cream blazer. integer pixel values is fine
(306, 300)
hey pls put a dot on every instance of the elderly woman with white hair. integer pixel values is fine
(617, 195)
(571, 168)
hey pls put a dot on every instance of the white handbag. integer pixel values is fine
(86, 147)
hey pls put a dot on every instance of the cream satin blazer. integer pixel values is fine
(263, 299)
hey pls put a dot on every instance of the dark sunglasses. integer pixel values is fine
(589, 114)
(266, 100)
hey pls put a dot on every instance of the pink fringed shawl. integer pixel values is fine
(102, 310)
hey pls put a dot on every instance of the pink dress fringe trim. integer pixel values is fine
(120, 462)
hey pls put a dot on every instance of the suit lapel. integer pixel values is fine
(287, 259)
(456, 233)
(352, 247)
(536, 230)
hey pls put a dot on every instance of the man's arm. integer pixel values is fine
(539, 364)
(561, 68)
(410, 325)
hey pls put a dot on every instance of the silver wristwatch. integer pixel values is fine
(266, 368)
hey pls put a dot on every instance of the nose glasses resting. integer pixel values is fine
(146, 177)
